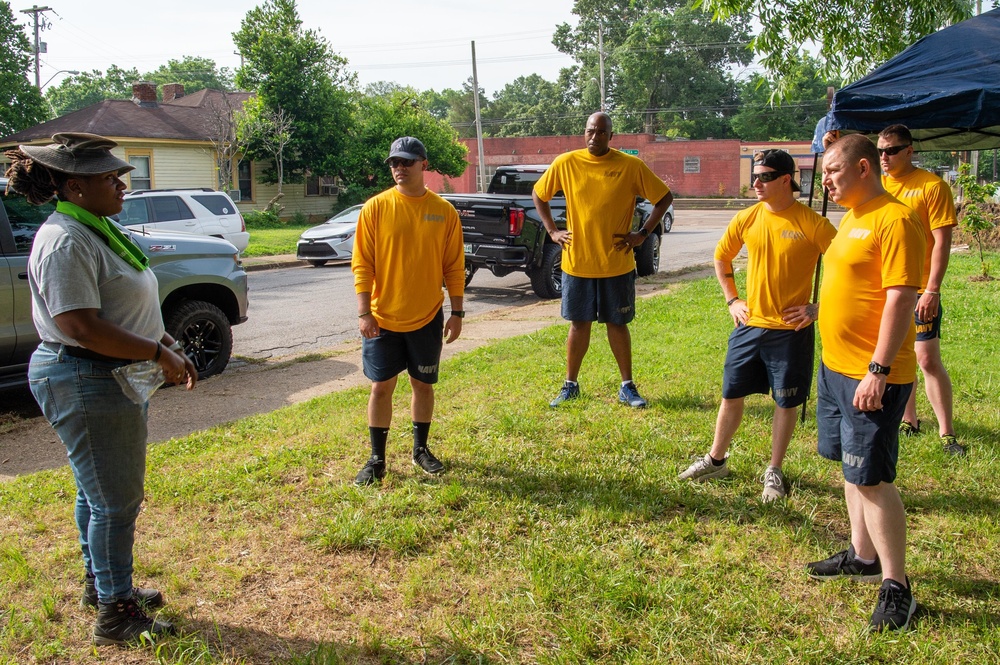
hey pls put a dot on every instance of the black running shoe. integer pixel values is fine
(372, 472)
(125, 622)
(844, 565)
(895, 607)
(423, 458)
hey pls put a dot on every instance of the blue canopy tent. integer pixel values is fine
(945, 88)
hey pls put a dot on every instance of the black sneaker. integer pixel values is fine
(372, 472)
(124, 622)
(844, 565)
(906, 428)
(147, 598)
(426, 461)
(895, 607)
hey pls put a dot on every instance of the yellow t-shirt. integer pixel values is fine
(930, 197)
(879, 245)
(783, 248)
(600, 202)
(405, 247)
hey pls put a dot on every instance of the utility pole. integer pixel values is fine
(479, 123)
(35, 11)
(600, 56)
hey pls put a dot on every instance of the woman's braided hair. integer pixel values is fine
(36, 182)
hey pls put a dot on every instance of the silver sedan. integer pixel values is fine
(333, 240)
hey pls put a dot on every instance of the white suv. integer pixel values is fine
(203, 211)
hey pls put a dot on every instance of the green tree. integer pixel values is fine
(81, 90)
(532, 106)
(977, 215)
(854, 36)
(763, 117)
(21, 105)
(194, 73)
(667, 65)
(295, 70)
(383, 113)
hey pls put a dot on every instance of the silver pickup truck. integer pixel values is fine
(203, 290)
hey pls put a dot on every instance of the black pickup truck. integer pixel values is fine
(503, 232)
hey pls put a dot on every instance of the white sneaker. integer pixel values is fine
(703, 470)
(774, 485)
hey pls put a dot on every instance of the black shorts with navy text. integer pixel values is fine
(866, 443)
(761, 360)
(417, 351)
(601, 299)
(928, 330)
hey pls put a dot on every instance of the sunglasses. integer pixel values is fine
(768, 176)
(893, 150)
(396, 161)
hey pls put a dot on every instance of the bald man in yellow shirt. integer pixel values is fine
(598, 264)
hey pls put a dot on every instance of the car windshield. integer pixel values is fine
(350, 215)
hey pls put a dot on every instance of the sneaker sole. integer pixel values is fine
(870, 579)
(715, 475)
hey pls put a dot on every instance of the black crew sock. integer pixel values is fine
(420, 432)
(717, 462)
(378, 436)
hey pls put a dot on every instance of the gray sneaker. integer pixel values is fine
(569, 391)
(703, 470)
(774, 485)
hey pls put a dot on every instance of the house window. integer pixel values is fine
(141, 177)
(692, 165)
(321, 186)
(244, 180)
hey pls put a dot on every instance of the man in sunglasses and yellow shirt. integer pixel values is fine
(931, 198)
(772, 347)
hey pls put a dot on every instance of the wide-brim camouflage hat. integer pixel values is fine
(78, 153)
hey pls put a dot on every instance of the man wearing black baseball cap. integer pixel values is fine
(772, 346)
(409, 241)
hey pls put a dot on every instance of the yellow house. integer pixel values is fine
(178, 143)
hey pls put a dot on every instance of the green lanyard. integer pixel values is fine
(119, 243)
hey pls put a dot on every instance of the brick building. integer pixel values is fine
(693, 169)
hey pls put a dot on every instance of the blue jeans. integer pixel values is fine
(105, 438)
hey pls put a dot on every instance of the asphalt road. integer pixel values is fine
(310, 310)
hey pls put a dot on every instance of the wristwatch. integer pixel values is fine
(643, 232)
(460, 313)
(875, 368)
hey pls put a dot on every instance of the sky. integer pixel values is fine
(422, 43)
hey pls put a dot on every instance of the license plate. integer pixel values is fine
(468, 248)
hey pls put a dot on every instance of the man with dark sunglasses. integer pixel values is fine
(409, 241)
(772, 346)
(931, 198)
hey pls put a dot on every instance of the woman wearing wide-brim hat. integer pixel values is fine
(96, 307)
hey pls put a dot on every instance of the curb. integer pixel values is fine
(271, 263)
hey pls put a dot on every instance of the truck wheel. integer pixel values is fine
(668, 222)
(647, 256)
(470, 270)
(546, 279)
(204, 332)
(319, 263)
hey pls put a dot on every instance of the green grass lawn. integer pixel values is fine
(273, 241)
(555, 536)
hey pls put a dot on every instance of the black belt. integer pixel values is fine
(86, 354)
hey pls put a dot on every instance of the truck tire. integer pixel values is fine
(546, 279)
(470, 270)
(647, 256)
(318, 263)
(204, 332)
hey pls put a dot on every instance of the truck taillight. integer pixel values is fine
(516, 221)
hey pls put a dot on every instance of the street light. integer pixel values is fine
(61, 71)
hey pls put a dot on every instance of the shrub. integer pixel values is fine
(262, 219)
